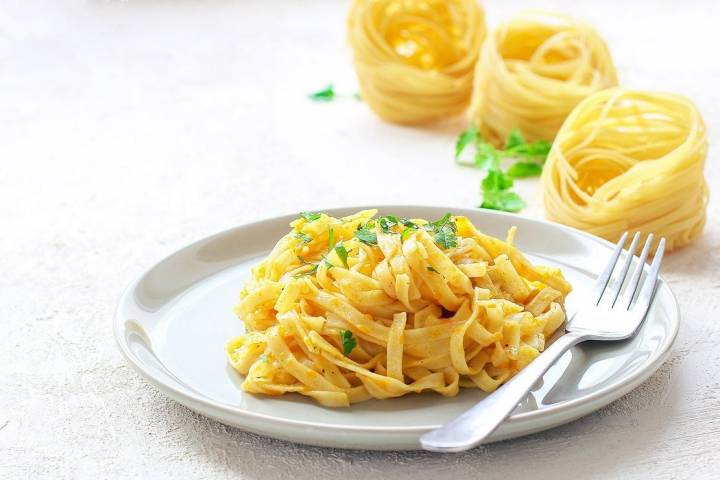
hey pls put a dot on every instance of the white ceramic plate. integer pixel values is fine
(173, 322)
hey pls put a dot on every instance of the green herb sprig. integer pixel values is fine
(310, 216)
(496, 187)
(343, 254)
(497, 193)
(303, 237)
(444, 231)
(366, 233)
(348, 341)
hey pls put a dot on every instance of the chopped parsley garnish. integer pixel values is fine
(445, 231)
(366, 234)
(446, 238)
(442, 222)
(409, 223)
(308, 272)
(328, 264)
(310, 216)
(348, 341)
(331, 239)
(405, 233)
(303, 237)
(388, 222)
(528, 160)
(327, 94)
(343, 254)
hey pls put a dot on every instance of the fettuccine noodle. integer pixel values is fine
(415, 58)
(630, 161)
(406, 307)
(533, 70)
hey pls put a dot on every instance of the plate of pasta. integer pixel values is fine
(366, 327)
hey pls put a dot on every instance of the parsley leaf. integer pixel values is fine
(441, 223)
(388, 222)
(539, 149)
(468, 136)
(327, 94)
(504, 200)
(486, 156)
(307, 272)
(528, 160)
(525, 169)
(496, 180)
(515, 139)
(446, 238)
(444, 231)
(407, 231)
(304, 237)
(328, 264)
(366, 235)
(310, 216)
(409, 223)
(343, 254)
(497, 194)
(331, 239)
(348, 341)
(515, 145)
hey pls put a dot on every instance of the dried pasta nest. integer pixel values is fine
(630, 161)
(415, 59)
(533, 70)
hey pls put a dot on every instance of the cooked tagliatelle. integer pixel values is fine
(415, 58)
(343, 310)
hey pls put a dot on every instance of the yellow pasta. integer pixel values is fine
(630, 161)
(347, 309)
(415, 58)
(533, 70)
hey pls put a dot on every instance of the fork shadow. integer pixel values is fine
(617, 435)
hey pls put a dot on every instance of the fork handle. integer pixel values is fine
(472, 427)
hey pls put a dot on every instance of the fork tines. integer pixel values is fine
(609, 292)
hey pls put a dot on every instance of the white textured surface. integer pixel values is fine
(129, 129)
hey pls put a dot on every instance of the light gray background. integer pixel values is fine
(130, 129)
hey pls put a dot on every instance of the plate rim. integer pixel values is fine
(570, 410)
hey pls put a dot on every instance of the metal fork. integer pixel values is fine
(612, 314)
